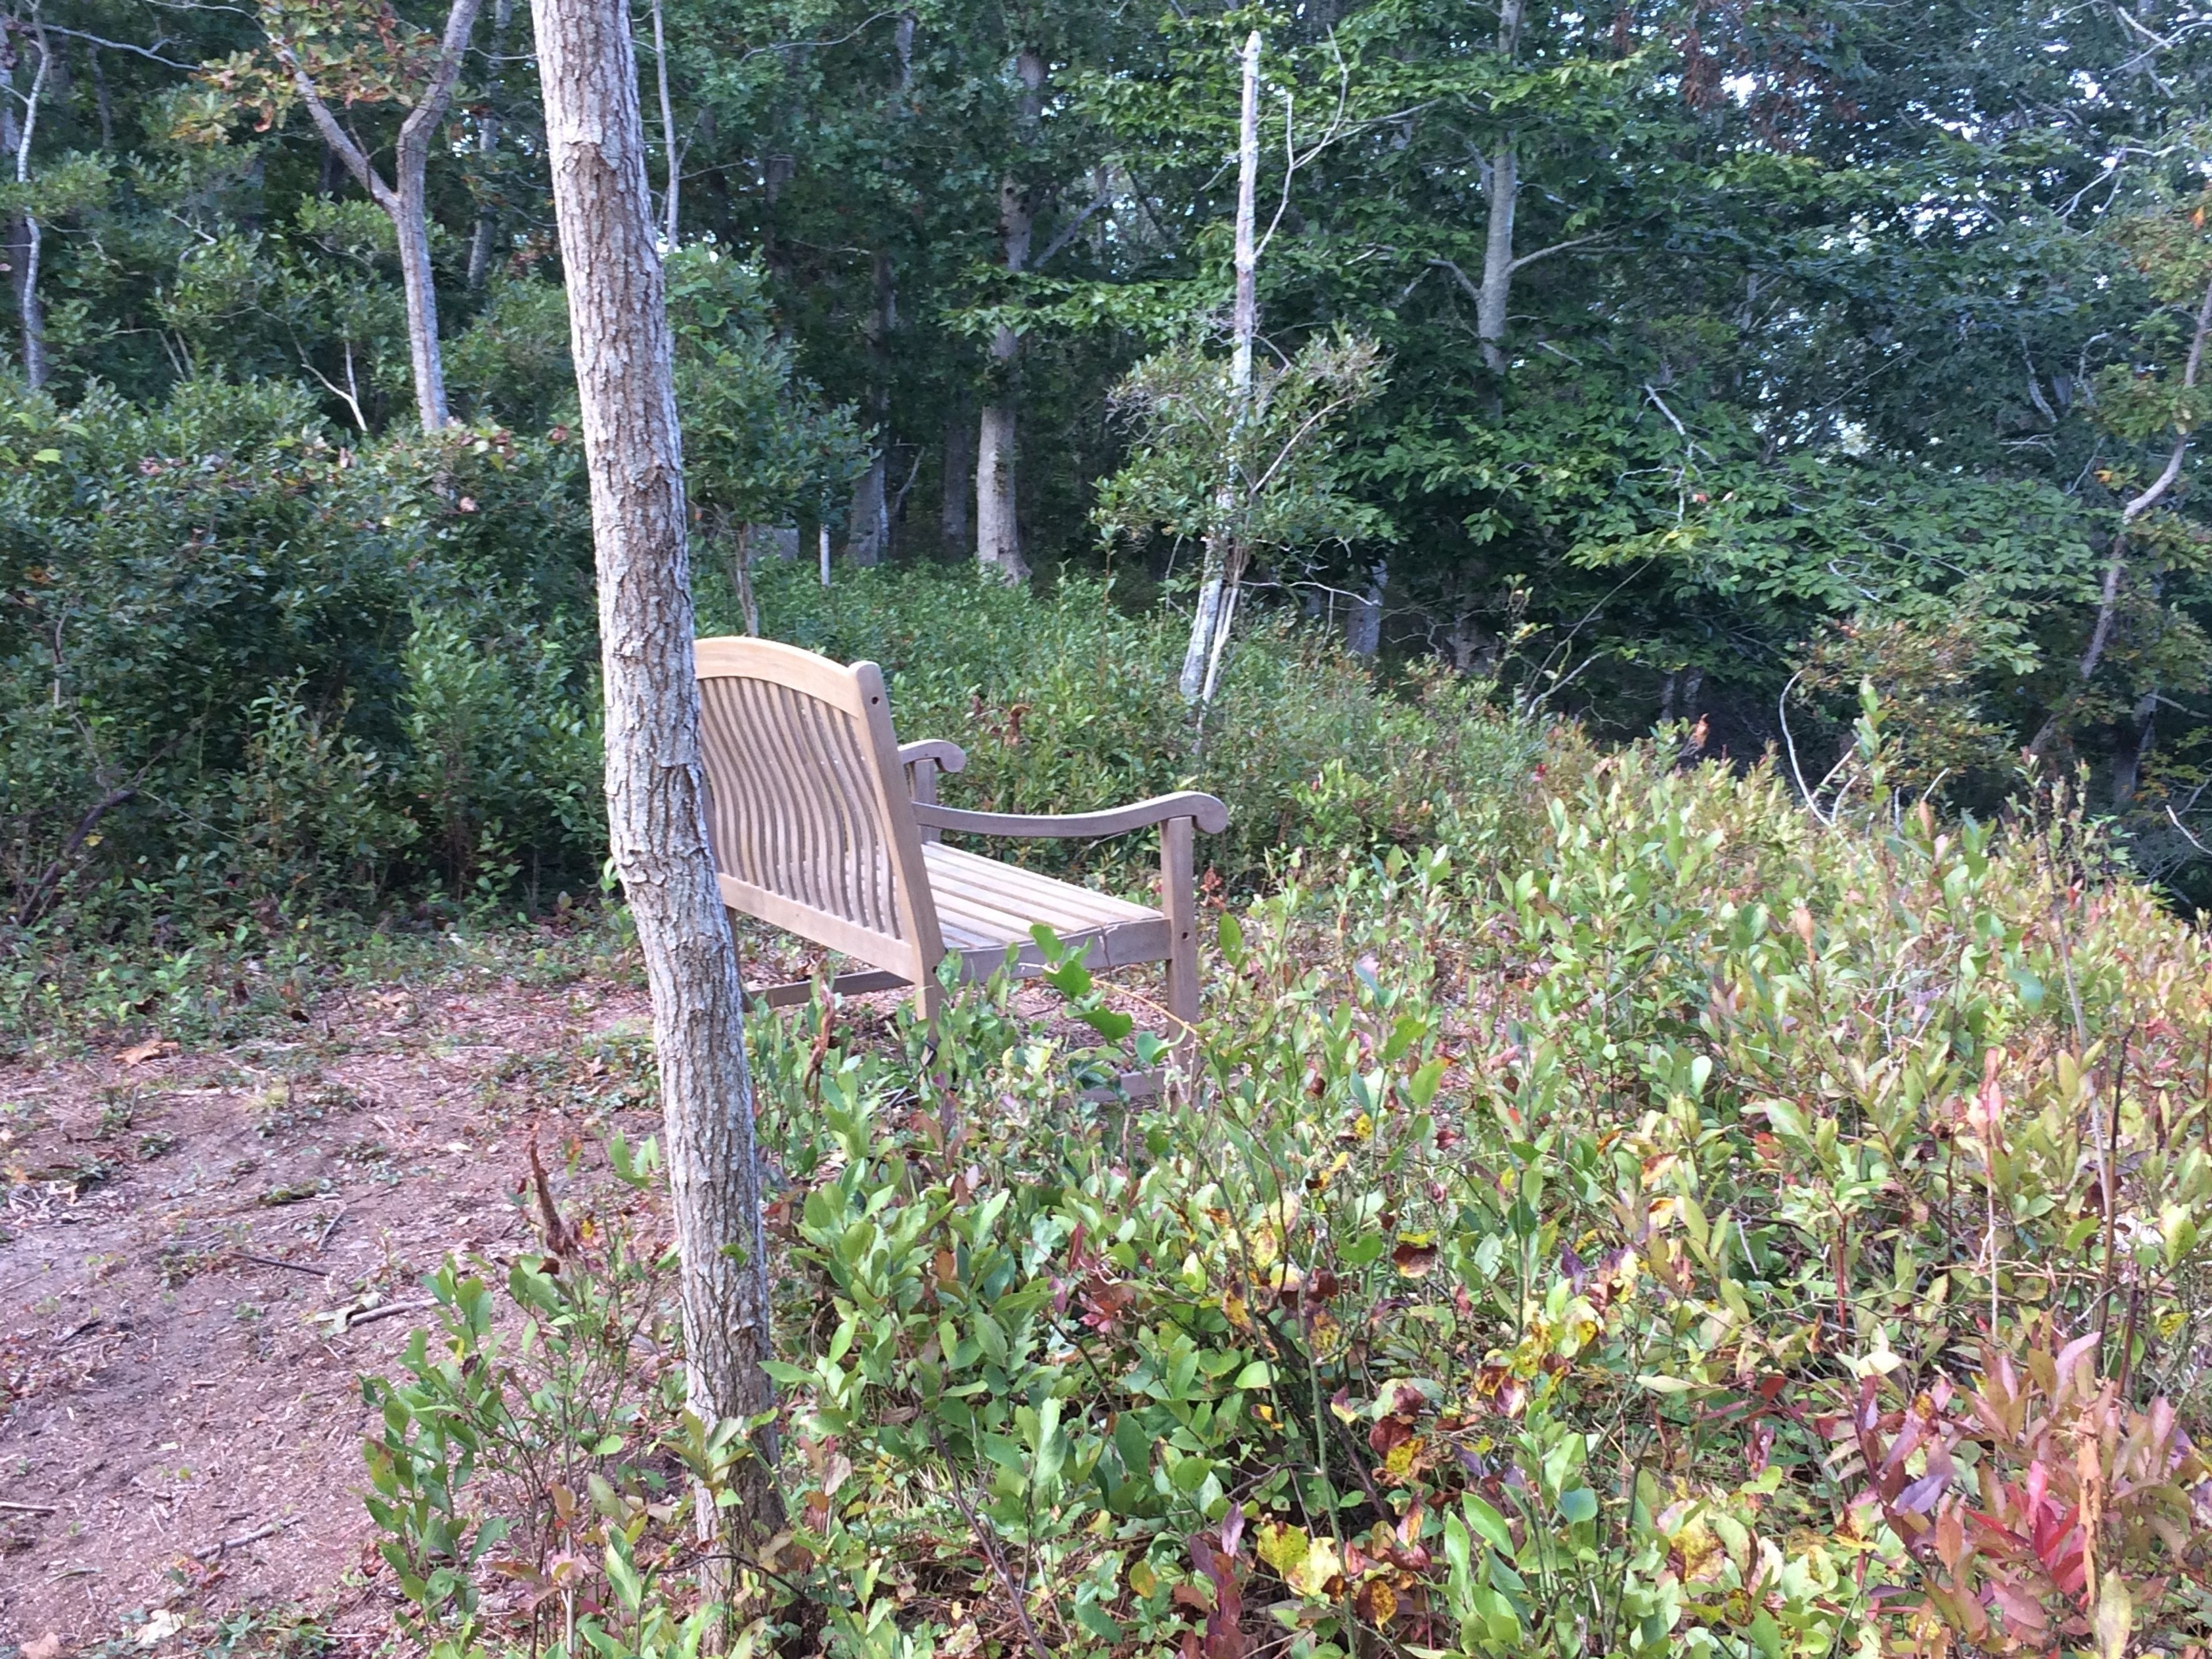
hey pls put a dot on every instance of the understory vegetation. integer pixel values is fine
(306, 694)
(1669, 1224)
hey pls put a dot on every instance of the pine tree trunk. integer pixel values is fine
(623, 352)
(998, 523)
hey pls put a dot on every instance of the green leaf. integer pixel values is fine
(1487, 1522)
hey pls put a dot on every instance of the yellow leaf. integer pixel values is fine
(1308, 1566)
(2116, 1617)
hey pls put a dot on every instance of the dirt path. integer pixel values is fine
(198, 1254)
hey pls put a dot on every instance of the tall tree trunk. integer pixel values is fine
(487, 231)
(624, 349)
(26, 240)
(958, 482)
(667, 126)
(410, 217)
(1502, 190)
(868, 529)
(1224, 544)
(998, 525)
(405, 197)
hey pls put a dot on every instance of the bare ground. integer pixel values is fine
(200, 1254)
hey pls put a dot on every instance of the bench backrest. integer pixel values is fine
(807, 804)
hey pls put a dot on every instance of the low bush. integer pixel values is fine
(252, 679)
(1065, 702)
(1719, 1234)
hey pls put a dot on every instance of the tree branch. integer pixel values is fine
(121, 46)
(453, 50)
(2108, 597)
(1068, 234)
(340, 140)
(1556, 247)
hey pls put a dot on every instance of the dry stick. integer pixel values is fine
(389, 1311)
(990, 1550)
(290, 1266)
(29, 1508)
(216, 1551)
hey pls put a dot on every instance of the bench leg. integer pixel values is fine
(1179, 902)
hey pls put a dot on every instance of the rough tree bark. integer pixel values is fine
(998, 526)
(1224, 546)
(405, 197)
(26, 240)
(624, 349)
(487, 231)
(2115, 563)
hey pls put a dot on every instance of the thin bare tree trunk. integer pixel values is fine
(405, 199)
(998, 523)
(623, 349)
(26, 240)
(1502, 189)
(667, 126)
(486, 230)
(2116, 564)
(1225, 549)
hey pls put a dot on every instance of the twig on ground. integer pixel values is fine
(389, 1311)
(273, 1261)
(28, 1509)
(216, 1551)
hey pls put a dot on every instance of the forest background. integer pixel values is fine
(1700, 362)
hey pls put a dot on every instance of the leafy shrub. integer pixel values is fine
(1720, 1233)
(218, 694)
(1064, 702)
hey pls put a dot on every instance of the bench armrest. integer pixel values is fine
(1207, 813)
(948, 756)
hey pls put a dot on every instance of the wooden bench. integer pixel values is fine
(825, 826)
